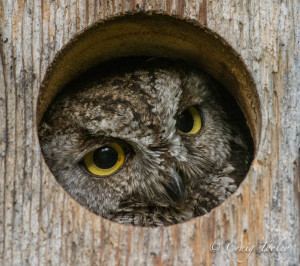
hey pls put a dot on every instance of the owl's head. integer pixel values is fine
(152, 143)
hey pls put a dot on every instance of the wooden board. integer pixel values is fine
(41, 225)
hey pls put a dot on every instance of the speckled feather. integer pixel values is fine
(138, 109)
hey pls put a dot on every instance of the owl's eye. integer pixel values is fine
(189, 121)
(105, 160)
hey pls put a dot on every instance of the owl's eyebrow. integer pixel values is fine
(92, 127)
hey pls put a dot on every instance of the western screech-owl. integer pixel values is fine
(151, 142)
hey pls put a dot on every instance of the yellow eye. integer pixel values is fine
(105, 160)
(189, 121)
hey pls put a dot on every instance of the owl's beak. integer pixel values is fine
(175, 187)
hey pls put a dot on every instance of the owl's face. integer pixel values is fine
(149, 147)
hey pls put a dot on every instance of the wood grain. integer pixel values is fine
(41, 225)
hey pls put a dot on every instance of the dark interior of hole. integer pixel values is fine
(152, 211)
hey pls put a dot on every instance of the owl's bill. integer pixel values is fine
(175, 187)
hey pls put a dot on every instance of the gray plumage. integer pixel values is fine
(138, 108)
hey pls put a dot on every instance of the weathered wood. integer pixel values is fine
(41, 224)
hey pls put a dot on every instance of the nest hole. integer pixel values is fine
(117, 47)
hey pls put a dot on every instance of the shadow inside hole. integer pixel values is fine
(146, 202)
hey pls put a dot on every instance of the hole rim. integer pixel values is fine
(243, 90)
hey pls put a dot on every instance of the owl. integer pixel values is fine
(146, 142)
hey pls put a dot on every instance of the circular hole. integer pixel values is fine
(124, 83)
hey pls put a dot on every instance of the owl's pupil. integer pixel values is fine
(105, 157)
(185, 122)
